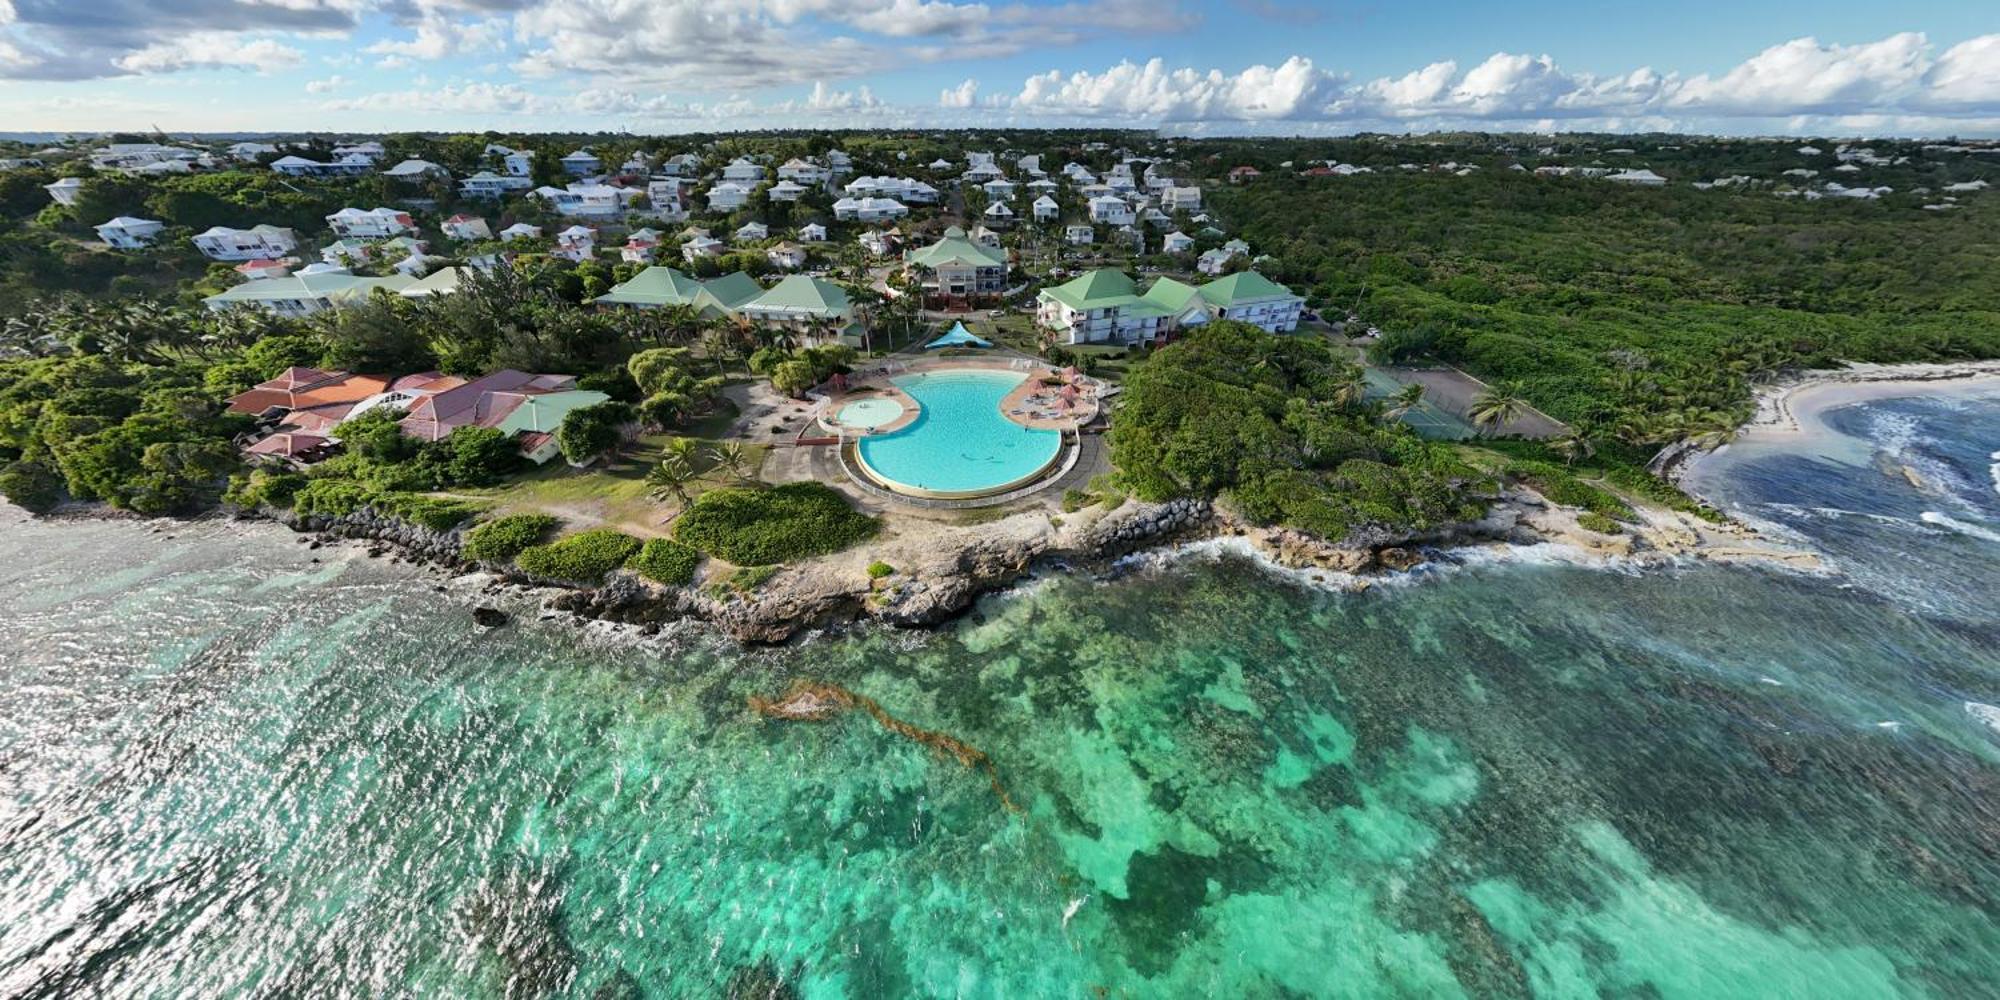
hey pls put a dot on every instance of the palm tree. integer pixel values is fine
(1352, 387)
(732, 455)
(670, 478)
(1403, 401)
(1573, 446)
(1497, 406)
(683, 450)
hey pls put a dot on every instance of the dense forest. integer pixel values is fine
(1641, 311)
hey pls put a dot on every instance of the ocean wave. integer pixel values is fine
(1985, 713)
(1993, 471)
(1961, 527)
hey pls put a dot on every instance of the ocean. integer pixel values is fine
(232, 766)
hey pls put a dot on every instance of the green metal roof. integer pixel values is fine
(1095, 290)
(1243, 286)
(1170, 295)
(544, 413)
(654, 286)
(803, 294)
(335, 287)
(956, 249)
(732, 291)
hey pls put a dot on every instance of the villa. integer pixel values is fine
(247, 151)
(487, 184)
(869, 209)
(415, 170)
(1177, 242)
(256, 243)
(701, 246)
(64, 191)
(258, 270)
(1079, 234)
(1106, 306)
(371, 151)
(372, 223)
(525, 408)
(802, 172)
(879, 242)
(303, 294)
(577, 243)
(998, 214)
(743, 171)
(1643, 178)
(466, 228)
(788, 190)
(956, 271)
(1110, 210)
(787, 256)
(812, 232)
(998, 190)
(299, 166)
(588, 201)
(640, 246)
(904, 189)
(752, 231)
(728, 196)
(518, 163)
(443, 281)
(581, 163)
(1046, 209)
(1181, 199)
(128, 233)
(1244, 174)
(521, 231)
(348, 252)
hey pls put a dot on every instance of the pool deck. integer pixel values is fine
(1031, 404)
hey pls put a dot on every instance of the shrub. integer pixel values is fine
(666, 561)
(263, 488)
(31, 486)
(751, 527)
(1591, 520)
(584, 557)
(503, 538)
(1563, 488)
(340, 497)
(879, 569)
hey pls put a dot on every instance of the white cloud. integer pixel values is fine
(1967, 75)
(824, 99)
(1293, 89)
(331, 83)
(1803, 75)
(211, 50)
(960, 96)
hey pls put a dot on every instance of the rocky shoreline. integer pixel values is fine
(940, 573)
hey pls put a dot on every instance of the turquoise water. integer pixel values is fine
(866, 413)
(961, 441)
(226, 770)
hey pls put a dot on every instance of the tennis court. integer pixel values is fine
(1430, 422)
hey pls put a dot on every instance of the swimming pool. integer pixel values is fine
(960, 445)
(869, 413)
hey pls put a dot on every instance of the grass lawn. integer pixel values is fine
(613, 492)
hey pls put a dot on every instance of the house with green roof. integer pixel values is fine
(660, 286)
(814, 307)
(958, 270)
(304, 294)
(1107, 307)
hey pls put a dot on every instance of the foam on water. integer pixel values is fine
(1961, 527)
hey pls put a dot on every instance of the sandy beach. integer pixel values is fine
(1781, 404)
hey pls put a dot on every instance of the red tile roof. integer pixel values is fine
(303, 387)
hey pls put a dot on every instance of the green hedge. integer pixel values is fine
(32, 486)
(503, 538)
(584, 557)
(340, 497)
(667, 561)
(753, 527)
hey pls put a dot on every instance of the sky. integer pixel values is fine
(1217, 67)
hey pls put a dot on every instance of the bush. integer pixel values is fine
(664, 560)
(263, 488)
(1561, 487)
(751, 527)
(503, 538)
(1591, 520)
(32, 486)
(340, 497)
(879, 569)
(580, 558)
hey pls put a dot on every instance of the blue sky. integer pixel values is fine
(1214, 66)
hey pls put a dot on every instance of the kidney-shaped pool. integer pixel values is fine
(960, 445)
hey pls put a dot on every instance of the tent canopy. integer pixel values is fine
(958, 337)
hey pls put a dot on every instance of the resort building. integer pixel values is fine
(304, 294)
(1181, 199)
(255, 243)
(788, 190)
(803, 172)
(128, 233)
(956, 271)
(306, 389)
(299, 166)
(487, 184)
(743, 171)
(248, 151)
(1643, 178)
(370, 150)
(1106, 307)
(371, 223)
(814, 308)
(657, 287)
(904, 189)
(1110, 210)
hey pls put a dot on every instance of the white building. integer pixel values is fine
(869, 209)
(1110, 210)
(752, 231)
(581, 163)
(904, 189)
(521, 231)
(577, 243)
(371, 151)
(701, 246)
(742, 171)
(370, 224)
(247, 151)
(1643, 178)
(467, 228)
(487, 184)
(802, 172)
(1176, 242)
(998, 190)
(588, 201)
(1046, 209)
(518, 163)
(255, 243)
(128, 233)
(728, 196)
(789, 256)
(1181, 199)
(1079, 235)
(998, 214)
(812, 232)
(788, 190)
(299, 166)
(64, 191)
(415, 170)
